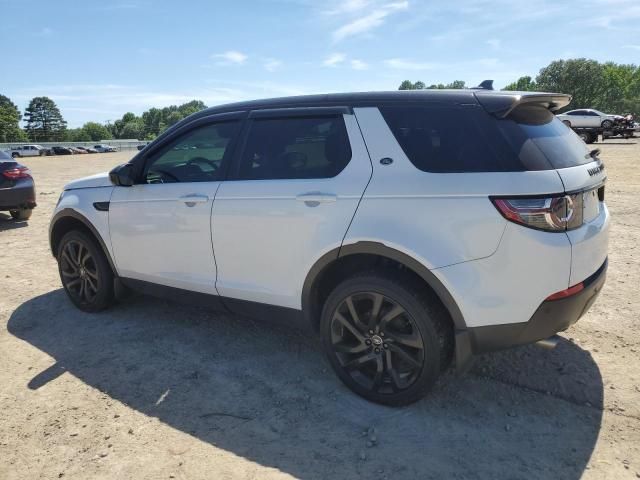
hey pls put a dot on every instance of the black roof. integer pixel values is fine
(494, 101)
(349, 99)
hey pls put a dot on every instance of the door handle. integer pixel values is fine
(192, 199)
(313, 199)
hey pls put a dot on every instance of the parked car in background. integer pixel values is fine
(17, 189)
(409, 229)
(587, 117)
(104, 148)
(87, 149)
(28, 151)
(57, 150)
(76, 150)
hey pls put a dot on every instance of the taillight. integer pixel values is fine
(17, 172)
(552, 214)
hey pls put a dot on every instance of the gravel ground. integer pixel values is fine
(152, 389)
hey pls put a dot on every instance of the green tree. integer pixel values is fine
(44, 120)
(10, 121)
(523, 84)
(406, 85)
(133, 129)
(96, 131)
(583, 79)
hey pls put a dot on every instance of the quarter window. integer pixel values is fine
(279, 148)
(195, 156)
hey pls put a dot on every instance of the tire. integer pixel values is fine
(24, 214)
(397, 359)
(85, 272)
(607, 124)
(592, 138)
(15, 155)
(585, 136)
(567, 123)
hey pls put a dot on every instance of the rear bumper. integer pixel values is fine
(21, 195)
(551, 317)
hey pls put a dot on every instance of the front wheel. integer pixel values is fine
(85, 272)
(385, 339)
(567, 123)
(607, 124)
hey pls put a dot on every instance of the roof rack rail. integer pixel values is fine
(484, 85)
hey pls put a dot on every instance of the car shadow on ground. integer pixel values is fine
(267, 394)
(8, 223)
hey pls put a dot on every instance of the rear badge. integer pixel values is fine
(596, 170)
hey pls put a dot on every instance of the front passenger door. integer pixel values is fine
(161, 226)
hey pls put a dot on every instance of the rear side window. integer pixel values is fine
(291, 148)
(450, 139)
(467, 139)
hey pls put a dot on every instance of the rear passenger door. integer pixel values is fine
(291, 195)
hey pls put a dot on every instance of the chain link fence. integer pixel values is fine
(121, 144)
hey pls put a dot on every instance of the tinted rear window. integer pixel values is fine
(536, 135)
(467, 139)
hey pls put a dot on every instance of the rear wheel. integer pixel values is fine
(24, 214)
(85, 272)
(15, 155)
(567, 123)
(386, 340)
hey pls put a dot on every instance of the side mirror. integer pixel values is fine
(122, 175)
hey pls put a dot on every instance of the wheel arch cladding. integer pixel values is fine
(68, 219)
(341, 262)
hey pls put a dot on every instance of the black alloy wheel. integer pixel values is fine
(79, 271)
(386, 339)
(377, 343)
(85, 272)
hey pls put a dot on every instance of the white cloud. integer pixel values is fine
(633, 47)
(231, 57)
(359, 64)
(272, 64)
(402, 64)
(334, 60)
(369, 21)
(349, 6)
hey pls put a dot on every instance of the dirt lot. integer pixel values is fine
(152, 389)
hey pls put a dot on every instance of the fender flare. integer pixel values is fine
(71, 213)
(379, 249)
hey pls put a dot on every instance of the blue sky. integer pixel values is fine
(98, 60)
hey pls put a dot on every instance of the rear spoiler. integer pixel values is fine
(501, 104)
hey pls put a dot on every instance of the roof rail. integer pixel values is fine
(484, 85)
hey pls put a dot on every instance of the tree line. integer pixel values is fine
(609, 87)
(44, 123)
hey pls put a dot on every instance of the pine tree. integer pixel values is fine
(44, 121)
(9, 121)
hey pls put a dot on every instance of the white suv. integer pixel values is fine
(408, 229)
(28, 151)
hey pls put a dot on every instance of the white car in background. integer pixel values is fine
(28, 151)
(586, 117)
(101, 148)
